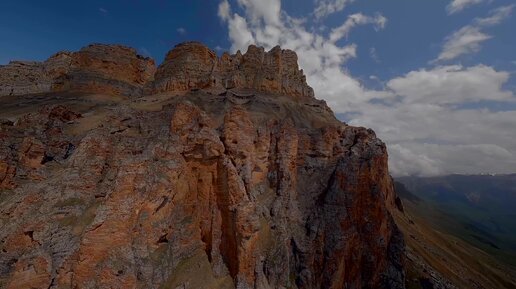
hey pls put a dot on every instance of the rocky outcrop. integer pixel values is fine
(187, 66)
(119, 70)
(203, 191)
(108, 69)
(97, 68)
(192, 65)
(23, 77)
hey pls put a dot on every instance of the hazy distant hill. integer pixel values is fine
(480, 209)
(459, 231)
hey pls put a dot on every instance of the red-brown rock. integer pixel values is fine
(192, 65)
(97, 68)
(200, 190)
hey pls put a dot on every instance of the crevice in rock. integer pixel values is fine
(29, 234)
(118, 131)
(51, 283)
(163, 203)
(322, 197)
(96, 227)
(69, 151)
(163, 239)
(355, 142)
(47, 158)
(295, 254)
(228, 246)
(208, 242)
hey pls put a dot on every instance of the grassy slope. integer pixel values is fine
(479, 209)
(483, 208)
(452, 220)
(466, 266)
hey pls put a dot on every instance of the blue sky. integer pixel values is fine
(33, 30)
(434, 78)
(37, 29)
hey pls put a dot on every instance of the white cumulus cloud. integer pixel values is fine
(452, 84)
(434, 120)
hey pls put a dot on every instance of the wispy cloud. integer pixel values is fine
(466, 40)
(357, 19)
(327, 7)
(418, 114)
(496, 16)
(374, 54)
(459, 5)
(144, 51)
(181, 30)
(469, 38)
(103, 10)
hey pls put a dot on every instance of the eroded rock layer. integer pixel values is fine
(97, 68)
(194, 66)
(107, 69)
(119, 70)
(200, 190)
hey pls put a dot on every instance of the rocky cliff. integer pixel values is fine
(119, 70)
(193, 65)
(97, 68)
(215, 173)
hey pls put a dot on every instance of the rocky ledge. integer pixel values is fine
(193, 66)
(97, 68)
(119, 70)
(265, 189)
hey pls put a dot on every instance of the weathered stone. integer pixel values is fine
(23, 77)
(119, 70)
(192, 65)
(109, 69)
(188, 66)
(200, 192)
(97, 68)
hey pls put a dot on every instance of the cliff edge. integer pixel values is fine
(221, 173)
(119, 70)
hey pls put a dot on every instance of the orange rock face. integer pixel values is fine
(119, 70)
(97, 68)
(23, 77)
(201, 192)
(107, 69)
(186, 67)
(192, 65)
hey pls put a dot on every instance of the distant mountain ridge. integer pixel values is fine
(458, 231)
(484, 205)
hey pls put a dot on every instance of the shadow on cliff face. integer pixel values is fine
(195, 189)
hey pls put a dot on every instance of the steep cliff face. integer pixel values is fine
(193, 65)
(97, 68)
(109, 69)
(197, 189)
(23, 77)
(119, 70)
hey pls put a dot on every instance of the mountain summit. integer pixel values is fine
(120, 70)
(204, 172)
